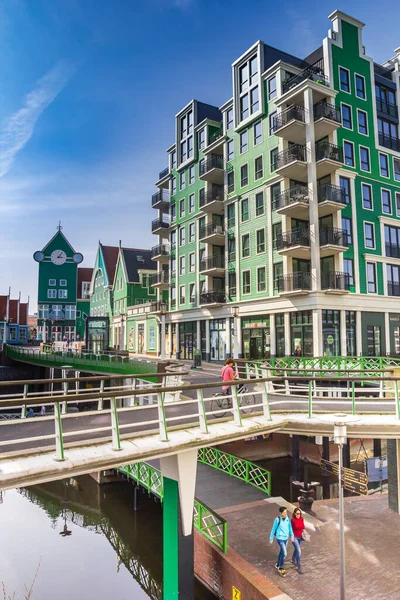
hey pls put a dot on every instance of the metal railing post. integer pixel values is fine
(310, 399)
(396, 396)
(116, 440)
(265, 402)
(237, 417)
(64, 404)
(23, 408)
(202, 412)
(58, 433)
(161, 418)
(100, 402)
(353, 399)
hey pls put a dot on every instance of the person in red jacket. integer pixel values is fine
(298, 528)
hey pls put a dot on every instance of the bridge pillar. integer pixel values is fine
(295, 458)
(377, 447)
(393, 458)
(179, 481)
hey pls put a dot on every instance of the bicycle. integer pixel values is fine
(222, 401)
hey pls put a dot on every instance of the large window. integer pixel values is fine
(248, 88)
(386, 202)
(331, 332)
(384, 165)
(344, 183)
(70, 312)
(362, 122)
(272, 88)
(369, 235)
(348, 148)
(347, 121)
(371, 278)
(301, 333)
(360, 87)
(346, 226)
(393, 280)
(364, 159)
(366, 191)
(344, 77)
(351, 349)
(348, 265)
(392, 241)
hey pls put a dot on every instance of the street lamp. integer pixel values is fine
(235, 315)
(163, 311)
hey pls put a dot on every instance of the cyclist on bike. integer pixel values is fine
(228, 374)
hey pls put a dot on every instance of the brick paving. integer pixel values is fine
(372, 549)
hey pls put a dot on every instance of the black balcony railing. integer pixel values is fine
(329, 151)
(386, 108)
(332, 236)
(314, 72)
(212, 162)
(331, 193)
(160, 250)
(300, 236)
(211, 229)
(216, 136)
(383, 71)
(161, 196)
(163, 173)
(293, 113)
(294, 282)
(295, 152)
(214, 194)
(161, 277)
(335, 281)
(393, 288)
(213, 262)
(392, 250)
(296, 193)
(327, 111)
(218, 297)
(159, 224)
(158, 307)
(389, 142)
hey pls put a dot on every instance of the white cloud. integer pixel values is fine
(17, 129)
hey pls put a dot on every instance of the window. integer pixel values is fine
(184, 126)
(173, 239)
(192, 293)
(182, 180)
(173, 186)
(344, 78)
(362, 122)
(182, 208)
(366, 191)
(245, 245)
(229, 118)
(182, 294)
(386, 202)
(275, 191)
(243, 142)
(393, 280)
(191, 232)
(272, 88)
(257, 130)
(346, 226)
(183, 151)
(244, 175)
(244, 78)
(260, 234)
(254, 100)
(70, 312)
(43, 311)
(246, 288)
(384, 165)
(261, 280)
(245, 210)
(274, 158)
(230, 150)
(191, 175)
(202, 139)
(398, 204)
(173, 267)
(231, 182)
(63, 294)
(173, 212)
(371, 278)
(52, 293)
(202, 166)
(253, 69)
(192, 263)
(346, 116)
(232, 284)
(344, 183)
(182, 265)
(276, 231)
(63, 282)
(173, 160)
(258, 168)
(272, 124)
(348, 265)
(244, 107)
(191, 203)
(190, 146)
(52, 282)
(360, 87)
(259, 204)
(231, 215)
(348, 154)
(369, 235)
(182, 236)
(364, 159)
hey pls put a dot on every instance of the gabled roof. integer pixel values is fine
(110, 258)
(135, 260)
(58, 234)
(84, 274)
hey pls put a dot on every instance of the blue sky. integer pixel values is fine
(88, 92)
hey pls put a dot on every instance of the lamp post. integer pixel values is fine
(235, 315)
(163, 310)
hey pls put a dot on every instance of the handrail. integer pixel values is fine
(292, 113)
(296, 193)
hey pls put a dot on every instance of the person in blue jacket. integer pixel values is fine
(282, 531)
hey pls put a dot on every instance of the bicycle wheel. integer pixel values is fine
(247, 403)
(221, 404)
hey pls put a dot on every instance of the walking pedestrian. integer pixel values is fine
(282, 531)
(298, 527)
(228, 374)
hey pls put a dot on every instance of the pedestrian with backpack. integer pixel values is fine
(282, 531)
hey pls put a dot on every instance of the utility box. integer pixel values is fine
(196, 359)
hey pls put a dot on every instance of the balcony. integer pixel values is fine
(389, 142)
(392, 250)
(212, 234)
(212, 169)
(163, 179)
(158, 306)
(329, 158)
(160, 225)
(327, 118)
(213, 200)
(216, 142)
(335, 282)
(293, 89)
(160, 200)
(161, 253)
(331, 198)
(292, 163)
(332, 241)
(294, 284)
(160, 280)
(213, 265)
(295, 242)
(293, 202)
(386, 108)
(290, 124)
(216, 298)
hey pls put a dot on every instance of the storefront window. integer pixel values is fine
(374, 346)
(301, 331)
(187, 340)
(280, 334)
(331, 332)
(203, 325)
(351, 349)
(217, 339)
(256, 338)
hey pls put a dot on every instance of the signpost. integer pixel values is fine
(353, 481)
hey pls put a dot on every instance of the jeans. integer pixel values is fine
(297, 551)
(282, 552)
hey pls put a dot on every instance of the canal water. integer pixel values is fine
(82, 541)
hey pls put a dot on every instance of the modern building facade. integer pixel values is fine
(278, 214)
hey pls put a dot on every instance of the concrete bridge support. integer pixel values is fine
(393, 456)
(179, 481)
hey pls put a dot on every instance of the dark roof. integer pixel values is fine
(84, 274)
(110, 256)
(136, 259)
(272, 55)
(207, 111)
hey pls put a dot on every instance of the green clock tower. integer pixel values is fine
(57, 288)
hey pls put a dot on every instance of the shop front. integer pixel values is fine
(394, 329)
(331, 333)
(187, 340)
(97, 333)
(301, 333)
(256, 338)
(218, 339)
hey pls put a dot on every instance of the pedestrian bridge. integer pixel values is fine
(125, 423)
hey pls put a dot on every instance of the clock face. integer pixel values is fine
(78, 257)
(58, 257)
(38, 256)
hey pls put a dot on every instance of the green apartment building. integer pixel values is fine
(279, 213)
